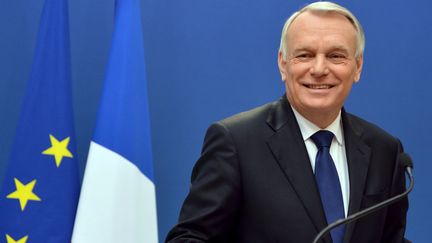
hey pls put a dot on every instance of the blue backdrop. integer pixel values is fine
(208, 59)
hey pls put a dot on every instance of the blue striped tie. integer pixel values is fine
(328, 183)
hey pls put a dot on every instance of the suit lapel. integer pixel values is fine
(288, 148)
(358, 155)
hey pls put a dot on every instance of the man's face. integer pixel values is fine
(320, 67)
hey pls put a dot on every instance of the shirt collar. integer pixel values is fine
(308, 129)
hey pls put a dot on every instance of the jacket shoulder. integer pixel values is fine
(244, 126)
(370, 132)
(247, 119)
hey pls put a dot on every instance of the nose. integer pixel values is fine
(319, 66)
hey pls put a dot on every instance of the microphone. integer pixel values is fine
(406, 162)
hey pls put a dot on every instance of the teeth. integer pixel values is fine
(319, 86)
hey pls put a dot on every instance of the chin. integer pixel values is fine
(320, 108)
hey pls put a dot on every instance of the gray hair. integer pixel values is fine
(324, 7)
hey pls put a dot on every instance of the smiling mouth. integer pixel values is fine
(318, 86)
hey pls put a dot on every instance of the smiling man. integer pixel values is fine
(283, 171)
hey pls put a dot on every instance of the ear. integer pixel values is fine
(359, 65)
(282, 65)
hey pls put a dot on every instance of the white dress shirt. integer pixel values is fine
(337, 150)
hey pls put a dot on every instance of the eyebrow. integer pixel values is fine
(339, 48)
(333, 48)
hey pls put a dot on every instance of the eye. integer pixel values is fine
(304, 56)
(337, 57)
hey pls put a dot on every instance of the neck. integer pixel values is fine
(321, 119)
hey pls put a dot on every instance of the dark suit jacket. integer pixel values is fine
(254, 182)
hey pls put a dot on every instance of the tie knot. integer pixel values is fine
(322, 138)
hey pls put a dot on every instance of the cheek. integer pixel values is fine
(296, 71)
(345, 90)
(347, 73)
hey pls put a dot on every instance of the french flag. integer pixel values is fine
(118, 202)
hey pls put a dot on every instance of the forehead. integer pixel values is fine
(321, 26)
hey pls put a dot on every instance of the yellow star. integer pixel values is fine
(10, 240)
(58, 149)
(24, 193)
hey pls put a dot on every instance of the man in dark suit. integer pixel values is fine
(264, 175)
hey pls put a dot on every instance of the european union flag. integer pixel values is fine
(39, 194)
